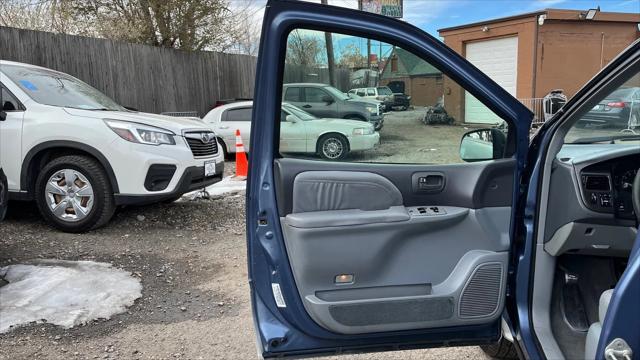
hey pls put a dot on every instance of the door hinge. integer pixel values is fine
(618, 349)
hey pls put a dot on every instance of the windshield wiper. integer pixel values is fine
(610, 139)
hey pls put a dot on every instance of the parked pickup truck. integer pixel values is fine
(325, 101)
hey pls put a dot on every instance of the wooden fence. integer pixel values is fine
(148, 78)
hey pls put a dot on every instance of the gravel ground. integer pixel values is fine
(191, 259)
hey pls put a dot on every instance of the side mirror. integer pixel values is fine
(291, 119)
(483, 144)
(328, 99)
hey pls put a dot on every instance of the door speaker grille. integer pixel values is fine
(481, 295)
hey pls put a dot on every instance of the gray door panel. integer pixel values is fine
(470, 185)
(409, 260)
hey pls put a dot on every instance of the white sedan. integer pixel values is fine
(300, 132)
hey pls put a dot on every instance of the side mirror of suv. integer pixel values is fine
(328, 99)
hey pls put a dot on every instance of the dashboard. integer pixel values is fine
(589, 209)
(606, 186)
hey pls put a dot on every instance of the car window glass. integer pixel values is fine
(424, 124)
(9, 102)
(292, 94)
(314, 95)
(242, 114)
(612, 118)
(57, 89)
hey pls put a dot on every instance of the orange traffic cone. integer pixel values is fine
(242, 165)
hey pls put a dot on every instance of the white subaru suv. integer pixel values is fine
(79, 154)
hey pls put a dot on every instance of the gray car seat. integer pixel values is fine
(593, 335)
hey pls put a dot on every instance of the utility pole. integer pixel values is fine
(368, 53)
(330, 61)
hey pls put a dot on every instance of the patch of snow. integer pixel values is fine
(228, 185)
(64, 293)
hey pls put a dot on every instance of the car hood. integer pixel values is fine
(174, 124)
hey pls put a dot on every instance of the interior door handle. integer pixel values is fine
(428, 182)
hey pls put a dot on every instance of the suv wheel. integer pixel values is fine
(333, 147)
(73, 194)
(4, 195)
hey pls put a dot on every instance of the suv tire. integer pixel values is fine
(86, 205)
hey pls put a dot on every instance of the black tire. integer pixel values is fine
(103, 201)
(332, 140)
(4, 195)
(223, 146)
(503, 349)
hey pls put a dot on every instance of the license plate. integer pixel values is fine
(209, 168)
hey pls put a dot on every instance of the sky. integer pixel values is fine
(431, 15)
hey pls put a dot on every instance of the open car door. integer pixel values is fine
(388, 240)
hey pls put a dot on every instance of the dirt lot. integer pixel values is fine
(405, 139)
(191, 259)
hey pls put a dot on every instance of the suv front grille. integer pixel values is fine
(202, 143)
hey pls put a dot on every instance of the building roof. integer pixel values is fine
(411, 65)
(555, 14)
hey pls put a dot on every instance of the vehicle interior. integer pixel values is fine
(415, 234)
(589, 227)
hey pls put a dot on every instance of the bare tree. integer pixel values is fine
(44, 15)
(184, 24)
(351, 57)
(302, 49)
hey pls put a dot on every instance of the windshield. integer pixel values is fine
(336, 93)
(383, 90)
(57, 89)
(614, 119)
(299, 113)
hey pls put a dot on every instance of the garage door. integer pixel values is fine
(498, 59)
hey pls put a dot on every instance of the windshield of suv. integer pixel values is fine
(336, 93)
(383, 90)
(614, 119)
(57, 89)
(300, 114)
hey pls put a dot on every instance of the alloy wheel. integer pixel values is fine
(69, 195)
(332, 148)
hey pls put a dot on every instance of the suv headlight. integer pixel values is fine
(141, 134)
(363, 131)
(372, 109)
